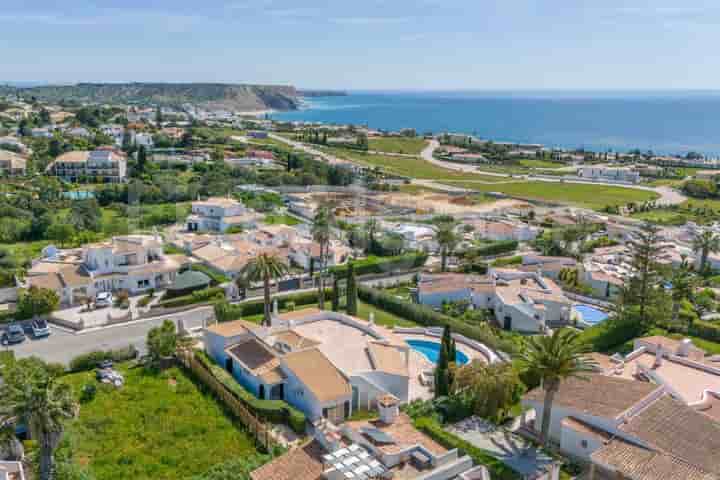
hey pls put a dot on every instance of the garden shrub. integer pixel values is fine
(226, 312)
(705, 330)
(198, 296)
(495, 248)
(89, 361)
(374, 264)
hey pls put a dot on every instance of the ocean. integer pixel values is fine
(674, 122)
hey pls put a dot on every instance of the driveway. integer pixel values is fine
(64, 345)
(511, 449)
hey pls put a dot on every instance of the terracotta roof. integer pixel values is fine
(294, 315)
(388, 358)
(672, 427)
(231, 329)
(75, 276)
(637, 463)
(51, 281)
(599, 395)
(302, 463)
(318, 374)
(585, 428)
(253, 353)
(295, 340)
(403, 432)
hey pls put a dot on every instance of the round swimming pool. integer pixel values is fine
(431, 351)
(590, 315)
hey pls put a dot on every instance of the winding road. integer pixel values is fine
(666, 195)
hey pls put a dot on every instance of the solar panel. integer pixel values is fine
(378, 436)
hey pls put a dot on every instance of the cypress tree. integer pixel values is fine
(351, 305)
(336, 295)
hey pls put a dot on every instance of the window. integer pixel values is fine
(584, 443)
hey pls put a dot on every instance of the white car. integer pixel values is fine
(103, 299)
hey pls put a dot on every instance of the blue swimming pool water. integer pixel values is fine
(79, 195)
(431, 351)
(591, 315)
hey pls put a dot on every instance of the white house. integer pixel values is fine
(218, 214)
(298, 360)
(604, 173)
(498, 230)
(133, 263)
(105, 163)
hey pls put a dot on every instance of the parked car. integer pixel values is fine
(14, 334)
(103, 299)
(40, 328)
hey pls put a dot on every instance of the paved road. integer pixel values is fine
(667, 196)
(63, 345)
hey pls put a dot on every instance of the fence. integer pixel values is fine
(257, 428)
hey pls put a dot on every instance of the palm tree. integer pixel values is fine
(32, 396)
(265, 268)
(321, 231)
(706, 243)
(553, 359)
(447, 240)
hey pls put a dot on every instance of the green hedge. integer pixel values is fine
(89, 361)
(495, 248)
(705, 330)
(498, 470)
(198, 296)
(428, 317)
(274, 411)
(225, 312)
(611, 334)
(374, 264)
(216, 277)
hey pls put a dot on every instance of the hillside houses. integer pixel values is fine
(521, 301)
(219, 214)
(133, 263)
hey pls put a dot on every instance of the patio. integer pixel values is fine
(513, 450)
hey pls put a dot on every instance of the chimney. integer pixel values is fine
(684, 348)
(389, 409)
(658, 356)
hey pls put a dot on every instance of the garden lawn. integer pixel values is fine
(411, 146)
(535, 163)
(283, 219)
(584, 195)
(158, 426)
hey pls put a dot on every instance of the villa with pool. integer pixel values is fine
(328, 364)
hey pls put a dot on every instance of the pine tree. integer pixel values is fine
(351, 305)
(645, 252)
(141, 159)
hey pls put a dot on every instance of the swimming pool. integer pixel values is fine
(590, 315)
(431, 351)
(79, 195)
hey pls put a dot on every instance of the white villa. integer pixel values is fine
(218, 214)
(134, 263)
(521, 301)
(12, 164)
(651, 415)
(503, 229)
(605, 173)
(326, 364)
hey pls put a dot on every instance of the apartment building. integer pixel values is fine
(105, 164)
(12, 164)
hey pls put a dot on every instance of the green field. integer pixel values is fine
(695, 210)
(158, 426)
(411, 146)
(280, 220)
(534, 163)
(585, 195)
(414, 167)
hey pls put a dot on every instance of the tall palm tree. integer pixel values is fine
(32, 396)
(447, 239)
(706, 243)
(265, 268)
(321, 232)
(553, 359)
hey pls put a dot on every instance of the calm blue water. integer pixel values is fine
(431, 351)
(668, 122)
(591, 315)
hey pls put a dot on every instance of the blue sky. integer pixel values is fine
(367, 44)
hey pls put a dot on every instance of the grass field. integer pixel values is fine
(534, 163)
(585, 195)
(695, 210)
(157, 426)
(280, 220)
(411, 146)
(414, 167)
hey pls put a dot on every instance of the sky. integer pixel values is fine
(367, 44)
